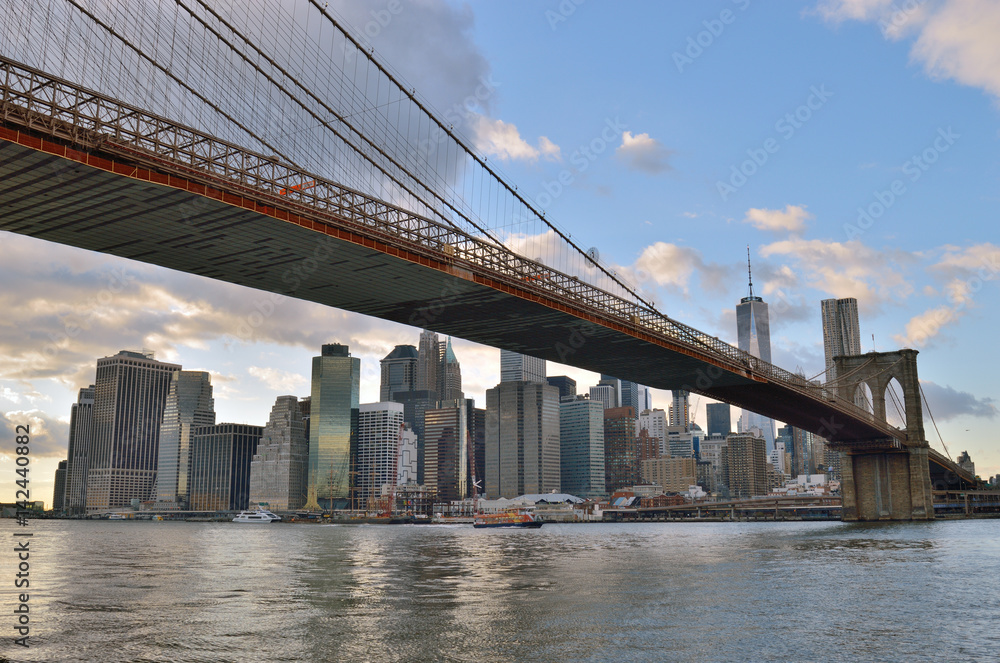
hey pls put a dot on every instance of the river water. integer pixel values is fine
(159, 591)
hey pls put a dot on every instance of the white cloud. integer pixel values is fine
(858, 10)
(848, 269)
(278, 380)
(792, 219)
(955, 39)
(501, 139)
(671, 266)
(642, 153)
(925, 326)
(49, 435)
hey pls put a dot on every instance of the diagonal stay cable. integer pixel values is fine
(330, 110)
(482, 162)
(187, 87)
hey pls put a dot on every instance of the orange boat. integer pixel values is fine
(506, 519)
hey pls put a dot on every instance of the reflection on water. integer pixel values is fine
(145, 591)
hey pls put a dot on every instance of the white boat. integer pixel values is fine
(257, 515)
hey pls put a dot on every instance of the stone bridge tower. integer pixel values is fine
(884, 479)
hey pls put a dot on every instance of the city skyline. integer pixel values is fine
(918, 279)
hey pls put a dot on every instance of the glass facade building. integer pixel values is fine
(719, 419)
(581, 448)
(753, 335)
(399, 372)
(333, 427)
(220, 466)
(446, 451)
(189, 405)
(522, 439)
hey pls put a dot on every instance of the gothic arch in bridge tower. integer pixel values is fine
(876, 370)
(884, 480)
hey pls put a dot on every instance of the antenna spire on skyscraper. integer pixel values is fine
(749, 273)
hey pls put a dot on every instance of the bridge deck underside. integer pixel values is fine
(58, 200)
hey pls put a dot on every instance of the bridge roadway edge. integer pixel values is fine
(443, 298)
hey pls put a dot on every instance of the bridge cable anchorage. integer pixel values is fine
(187, 87)
(927, 405)
(448, 130)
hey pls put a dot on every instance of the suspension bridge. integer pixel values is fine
(266, 146)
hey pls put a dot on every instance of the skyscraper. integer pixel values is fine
(189, 405)
(129, 397)
(745, 461)
(446, 450)
(566, 385)
(630, 395)
(719, 419)
(753, 333)
(841, 332)
(616, 389)
(680, 411)
(581, 447)
(221, 456)
(621, 449)
(59, 489)
(515, 367)
(605, 395)
(81, 432)
(379, 429)
(333, 426)
(428, 361)
(449, 374)
(399, 371)
(279, 469)
(522, 439)
(654, 422)
(476, 420)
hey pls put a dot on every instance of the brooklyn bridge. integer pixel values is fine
(229, 154)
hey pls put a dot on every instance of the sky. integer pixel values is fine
(851, 144)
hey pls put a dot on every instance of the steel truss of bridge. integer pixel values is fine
(82, 169)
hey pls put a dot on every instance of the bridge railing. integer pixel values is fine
(52, 106)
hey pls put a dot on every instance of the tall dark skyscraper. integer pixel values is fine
(446, 450)
(399, 371)
(476, 419)
(630, 396)
(753, 333)
(130, 394)
(621, 449)
(189, 405)
(333, 426)
(565, 385)
(522, 439)
(81, 432)
(719, 419)
(428, 361)
(220, 466)
(59, 489)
